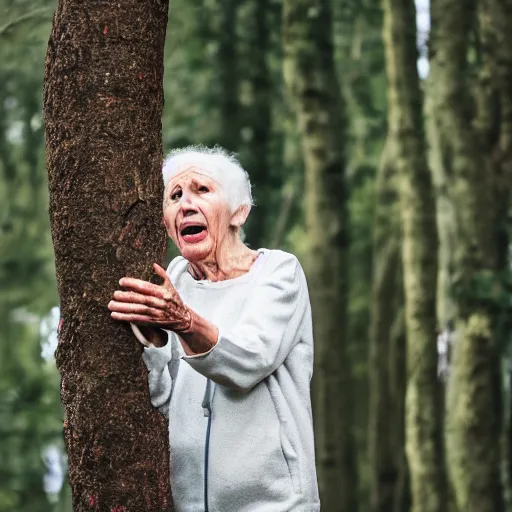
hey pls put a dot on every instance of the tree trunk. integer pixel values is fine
(33, 147)
(386, 405)
(228, 76)
(473, 119)
(312, 84)
(500, 23)
(8, 165)
(258, 123)
(398, 371)
(445, 213)
(419, 254)
(102, 103)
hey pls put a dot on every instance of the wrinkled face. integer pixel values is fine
(196, 214)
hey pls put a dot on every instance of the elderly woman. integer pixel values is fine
(229, 348)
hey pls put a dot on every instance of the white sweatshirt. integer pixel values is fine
(240, 422)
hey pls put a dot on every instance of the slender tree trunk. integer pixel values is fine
(8, 166)
(398, 371)
(446, 224)
(472, 118)
(103, 102)
(292, 166)
(258, 125)
(228, 75)
(385, 411)
(501, 21)
(312, 84)
(33, 146)
(419, 253)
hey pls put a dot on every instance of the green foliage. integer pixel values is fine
(486, 289)
(30, 411)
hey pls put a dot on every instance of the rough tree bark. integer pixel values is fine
(419, 255)
(102, 103)
(472, 116)
(312, 84)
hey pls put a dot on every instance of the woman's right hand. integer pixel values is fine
(150, 305)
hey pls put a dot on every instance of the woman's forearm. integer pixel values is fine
(200, 337)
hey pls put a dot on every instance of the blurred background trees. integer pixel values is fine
(386, 172)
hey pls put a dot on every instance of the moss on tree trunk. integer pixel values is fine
(472, 115)
(419, 254)
(313, 86)
(102, 104)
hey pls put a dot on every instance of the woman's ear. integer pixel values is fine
(240, 216)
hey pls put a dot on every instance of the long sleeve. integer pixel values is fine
(264, 334)
(163, 364)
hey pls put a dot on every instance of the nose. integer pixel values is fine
(186, 197)
(187, 204)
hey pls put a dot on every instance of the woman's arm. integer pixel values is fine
(241, 355)
(152, 305)
(200, 338)
(259, 341)
(162, 361)
(151, 308)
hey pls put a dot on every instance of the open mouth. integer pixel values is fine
(193, 234)
(192, 230)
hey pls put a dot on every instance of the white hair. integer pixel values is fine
(217, 163)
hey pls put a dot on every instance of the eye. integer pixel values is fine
(176, 195)
(204, 188)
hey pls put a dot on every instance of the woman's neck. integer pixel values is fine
(228, 262)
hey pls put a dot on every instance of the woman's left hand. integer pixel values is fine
(149, 304)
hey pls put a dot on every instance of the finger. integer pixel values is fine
(135, 318)
(139, 298)
(170, 292)
(159, 271)
(128, 307)
(138, 285)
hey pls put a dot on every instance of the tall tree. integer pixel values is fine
(387, 371)
(419, 255)
(313, 86)
(470, 104)
(103, 104)
(257, 122)
(228, 75)
(499, 23)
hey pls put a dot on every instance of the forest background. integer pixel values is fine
(395, 198)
